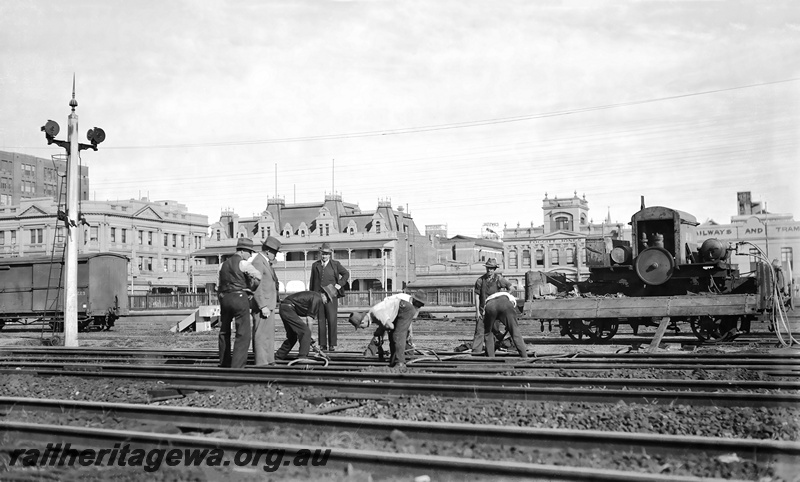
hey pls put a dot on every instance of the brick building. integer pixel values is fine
(380, 248)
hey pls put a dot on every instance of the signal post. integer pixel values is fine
(70, 215)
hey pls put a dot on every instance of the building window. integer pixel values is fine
(93, 233)
(378, 228)
(540, 257)
(166, 240)
(183, 240)
(526, 258)
(36, 236)
(183, 266)
(13, 237)
(141, 237)
(512, 258)
(140, 262)
(786, 257)
(2, 237)
(219, 235)
(174, 265)
(5, 199)
(262, 232)
(570, 255)
(562, 223)
(166, 265)
(174, 240)
(149, 238)
(554, 257)
(113, 235)
(149, 265)
(28, 170)
(124, 236)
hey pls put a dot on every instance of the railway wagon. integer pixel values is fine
(661, 272)
(31, 290)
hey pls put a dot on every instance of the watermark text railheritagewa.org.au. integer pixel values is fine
(150, 460)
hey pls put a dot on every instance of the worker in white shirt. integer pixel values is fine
(394, 314)
(503, 306)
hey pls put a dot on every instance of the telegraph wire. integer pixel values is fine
(450, 126)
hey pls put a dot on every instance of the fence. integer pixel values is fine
(184, 301)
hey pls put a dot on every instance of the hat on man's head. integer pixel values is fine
(271, 244)
(420, 297)
(330, 290)
(356, 318)
(325, 248)
(245, 244)
(491, 263)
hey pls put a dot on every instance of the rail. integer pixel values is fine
(183, 301)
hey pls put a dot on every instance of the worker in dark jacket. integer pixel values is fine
(503, 306)
(303, 303)
(237, 280)
(327, 271)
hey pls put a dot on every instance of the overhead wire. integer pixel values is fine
(448, 126)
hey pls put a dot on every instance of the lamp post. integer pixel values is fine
(69, 216)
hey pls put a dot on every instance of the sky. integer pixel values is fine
(463, 112)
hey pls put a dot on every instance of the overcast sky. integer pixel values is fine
(464, 111)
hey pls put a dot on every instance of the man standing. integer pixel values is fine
(303, 303)
(327, 271)
(265, 302)
(503, 306)
(488, 284)
(395, 315)
(237, 280)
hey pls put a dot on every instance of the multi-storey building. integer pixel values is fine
(157, 236)
(559, 245)
(459, 261)
(25, 177)
(777, 236)
(380, 248)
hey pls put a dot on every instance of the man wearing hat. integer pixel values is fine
(327, 271)
(237, 280)
(265, 302)
(488, 284)
(303, 303)
(394, 314)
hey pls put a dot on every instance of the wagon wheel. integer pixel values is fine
(705, 328)
(577, 330)
(602, 329)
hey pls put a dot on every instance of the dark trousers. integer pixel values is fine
(505, 311)
(399, 335)
(481, 332)
(327, 327)
(296, 328)
(234, 307)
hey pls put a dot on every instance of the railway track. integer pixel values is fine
(339, 461)
(371, 385)
(316, 427)
(785, 364)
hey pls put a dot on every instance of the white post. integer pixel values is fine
(71, 261)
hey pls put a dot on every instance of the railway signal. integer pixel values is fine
(73, 147)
